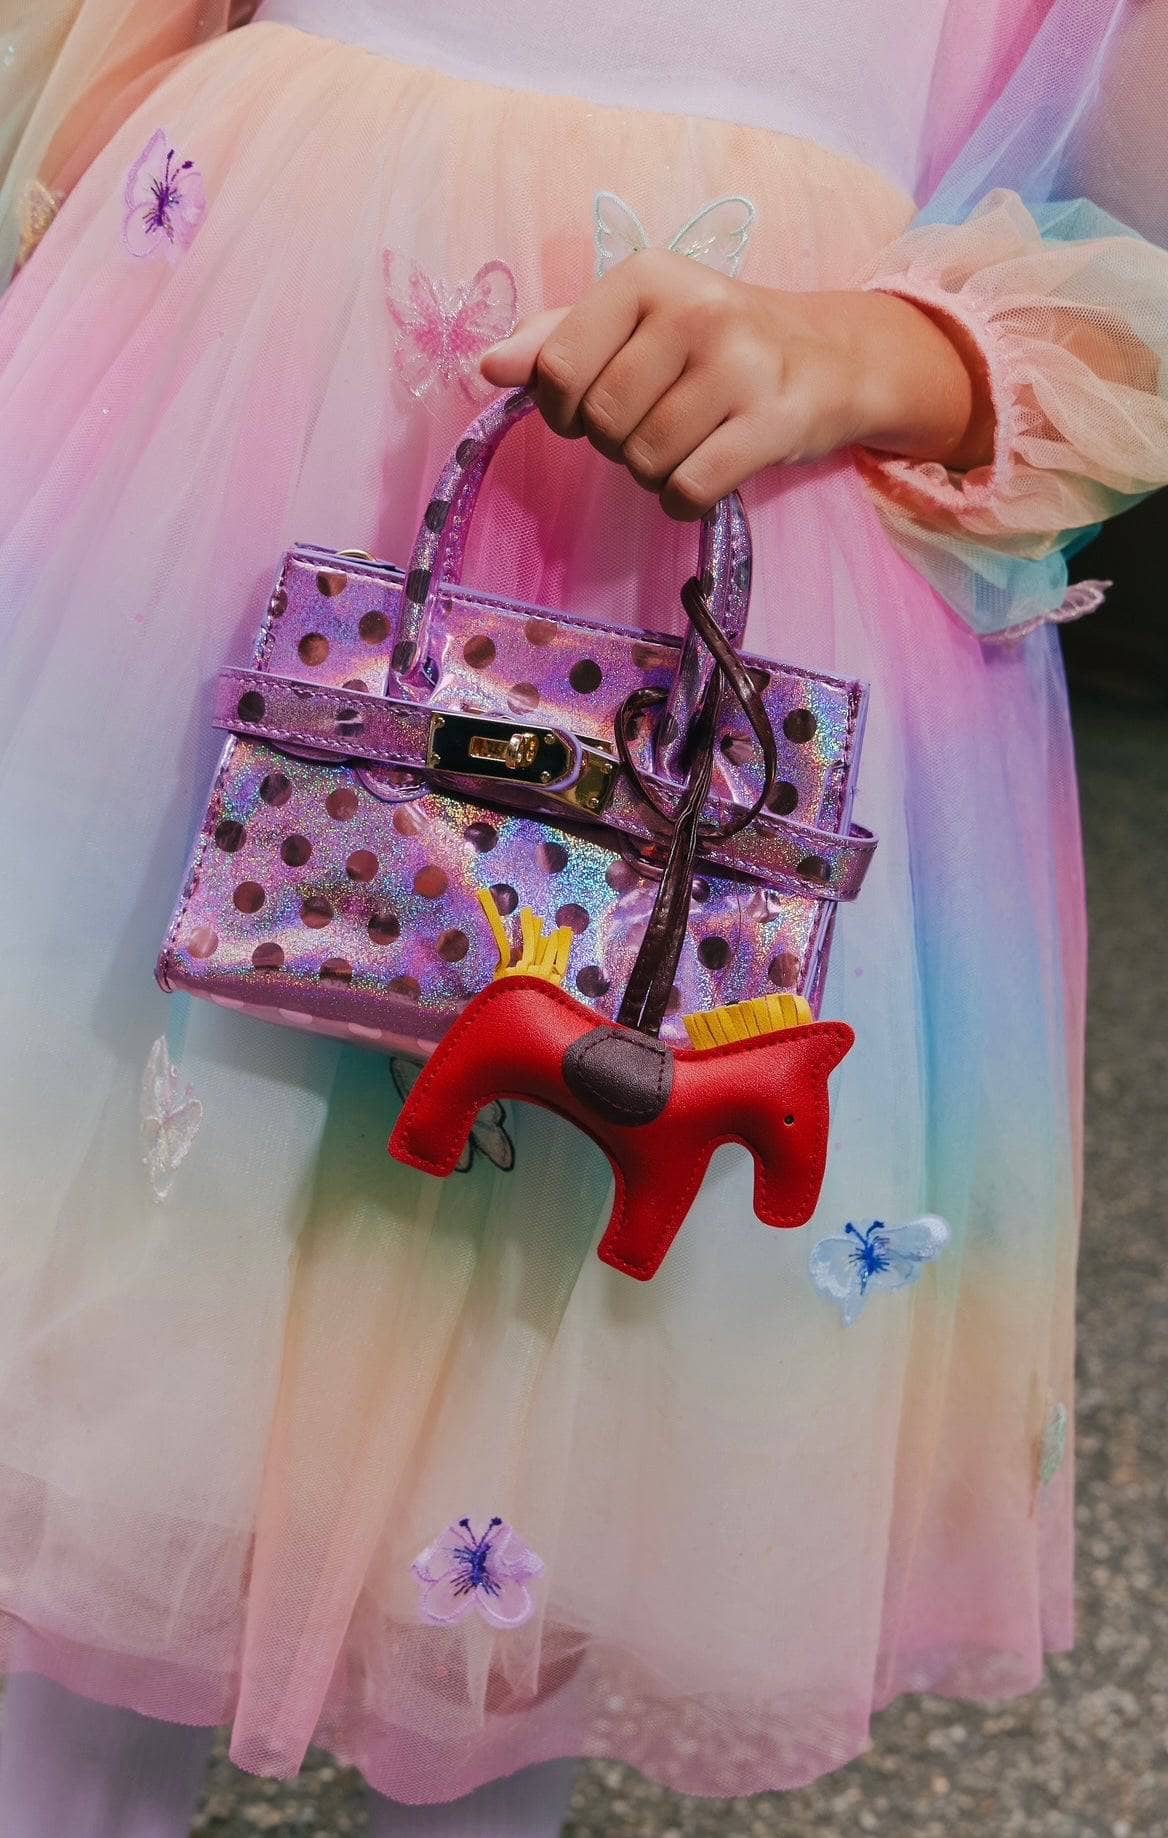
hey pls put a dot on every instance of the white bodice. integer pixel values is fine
(853, 75)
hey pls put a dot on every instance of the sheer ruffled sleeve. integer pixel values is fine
(1069, 311)
(70, 73)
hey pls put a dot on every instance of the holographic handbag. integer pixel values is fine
(401, 744)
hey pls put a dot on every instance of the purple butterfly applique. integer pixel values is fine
(443, 330)
(490, 1572)
(165, 202)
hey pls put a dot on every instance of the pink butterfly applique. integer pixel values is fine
(443, 330)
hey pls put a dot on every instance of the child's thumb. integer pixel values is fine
(513, 359)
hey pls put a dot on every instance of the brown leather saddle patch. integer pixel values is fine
(625, 1077)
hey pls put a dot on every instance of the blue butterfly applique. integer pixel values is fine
(875, 1256)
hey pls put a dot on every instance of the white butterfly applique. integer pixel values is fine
(488, 1134)
(444, 330)
(1052, 1446)
(171, 1115)
(717, 236)
(850, 1267)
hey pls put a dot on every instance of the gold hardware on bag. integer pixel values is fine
(517, 753)
(591, 790)
(483, 746)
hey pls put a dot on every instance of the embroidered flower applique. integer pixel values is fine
(717, 236)
(490, 1572)
(488, 1136)
(1052, 1446)
(878, 1256)
(165, 202)
(171, 1115)
(444, 330)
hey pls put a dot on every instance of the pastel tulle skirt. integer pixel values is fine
(230, 1419)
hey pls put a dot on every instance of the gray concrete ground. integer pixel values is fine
(1087, 1755)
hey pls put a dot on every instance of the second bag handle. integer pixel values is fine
(724, 563)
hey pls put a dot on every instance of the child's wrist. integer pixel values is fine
(920, 384)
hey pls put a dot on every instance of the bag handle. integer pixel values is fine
(724, 564)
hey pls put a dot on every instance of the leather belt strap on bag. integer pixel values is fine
(584, 784)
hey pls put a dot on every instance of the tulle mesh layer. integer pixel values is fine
(229, 1423)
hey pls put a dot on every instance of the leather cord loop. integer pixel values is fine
(651, 979)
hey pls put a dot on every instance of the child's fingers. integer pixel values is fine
(631, 386)
(587, 338)
(512, 360)
(684, 417)
(733, 452)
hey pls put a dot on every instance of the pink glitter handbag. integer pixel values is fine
(400, 742)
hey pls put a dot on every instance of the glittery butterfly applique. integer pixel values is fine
(488, 1134)
(171, 1115)
(489, 1572)
(165, 202)
(1052, 1446)
(717, 236)
(443, 330)
(37, 209)
(850, 1267)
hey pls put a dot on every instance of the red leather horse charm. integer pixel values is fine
(658, 1112)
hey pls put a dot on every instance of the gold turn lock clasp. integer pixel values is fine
(517, 752)
(482, 746)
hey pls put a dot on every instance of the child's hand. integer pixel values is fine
(695, 381)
